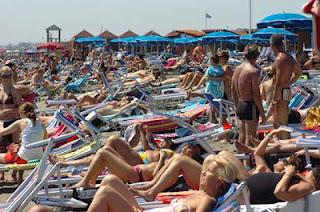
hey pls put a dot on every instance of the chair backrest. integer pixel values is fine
(229, 198)
(309, 143)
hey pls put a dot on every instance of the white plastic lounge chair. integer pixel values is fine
(37, 179)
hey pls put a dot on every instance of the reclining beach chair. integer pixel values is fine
(224, 107)
(309, 143)
(308, 204)
(78, 84)
(37, 179)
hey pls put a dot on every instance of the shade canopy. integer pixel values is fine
(292, 21)
(266, 33)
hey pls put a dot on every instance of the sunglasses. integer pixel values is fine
(284, 161)
(6, 76)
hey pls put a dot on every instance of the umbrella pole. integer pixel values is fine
(285, 41)
(157, 49)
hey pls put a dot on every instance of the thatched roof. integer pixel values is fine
(83, 34)
(108, 35)
(128, 33)
(152, 33)
(191, 32)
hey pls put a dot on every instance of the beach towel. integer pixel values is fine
(313, 8)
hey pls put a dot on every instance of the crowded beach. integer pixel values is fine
(216, 121)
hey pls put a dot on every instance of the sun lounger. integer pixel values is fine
(37, 179)
(309, 203)
(77, 85)
(309, 143)
(224, 107)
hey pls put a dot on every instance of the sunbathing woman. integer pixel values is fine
(127, 164)
(31, 131)
(270, 144)
(269, 187)
(189, 169)
(38, 81)
(288, 181)
(216, 176)
(175, 63)
(117, 107)
(139, 63)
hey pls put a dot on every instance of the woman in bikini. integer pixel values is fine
(216, 176)
(10, 100)
(125, 162)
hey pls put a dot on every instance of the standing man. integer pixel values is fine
(286, 71)
(245, 91)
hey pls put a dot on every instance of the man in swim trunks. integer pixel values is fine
(286, 71)
(245, 92)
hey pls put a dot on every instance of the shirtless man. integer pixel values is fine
(286, 71)
(198, 54)
(246, 94)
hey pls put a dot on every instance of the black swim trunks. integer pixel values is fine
(294, 117)
(247, 110)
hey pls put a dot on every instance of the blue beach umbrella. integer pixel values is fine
(183, 41)
(90, 40)
(250, 39)
(219, 37)
(266, 33)
(128, 40)
(153, 39)
(292, 21)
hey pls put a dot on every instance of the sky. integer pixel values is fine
(26, 20)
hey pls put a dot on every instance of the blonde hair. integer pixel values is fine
(6, 68)
(225, 170)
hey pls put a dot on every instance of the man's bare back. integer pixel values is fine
(243, 76)
(283, 68)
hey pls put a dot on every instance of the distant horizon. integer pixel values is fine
(26, 21)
